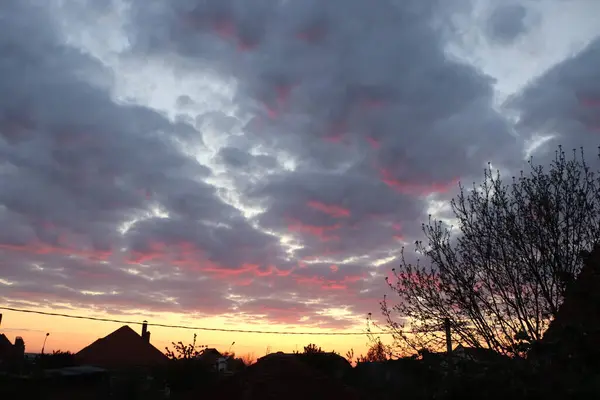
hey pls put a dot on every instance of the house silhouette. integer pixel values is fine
(574, 334)
(9, 351)
(123, 348)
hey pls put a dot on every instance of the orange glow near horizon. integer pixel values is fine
(72, 335)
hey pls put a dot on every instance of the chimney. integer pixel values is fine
(19, 347)
(145, 332)
(0, 319)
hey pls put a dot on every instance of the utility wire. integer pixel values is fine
(195, 328)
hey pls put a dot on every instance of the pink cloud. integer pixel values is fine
(245, 269)
(374, 143)
(225, 28)
(242, 282)
(282, 95)
(337, 132)
(312, 35)
(86, 274)
(415, 188)
(373, 103)
(330, 209)
(328, 284)
(590, 102)
(188, 257)
(41, 248)
(272, 112)
(321, 232)
(154, 251)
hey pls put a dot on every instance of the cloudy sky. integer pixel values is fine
(260, 163)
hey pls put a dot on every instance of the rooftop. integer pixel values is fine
(121, 349)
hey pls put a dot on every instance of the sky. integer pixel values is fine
(259, 164)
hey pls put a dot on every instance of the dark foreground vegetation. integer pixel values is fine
(324, 376)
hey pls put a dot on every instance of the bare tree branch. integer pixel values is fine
(500, 276)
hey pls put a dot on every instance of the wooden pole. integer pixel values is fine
(448, 336)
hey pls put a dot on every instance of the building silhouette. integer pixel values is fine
(123, 348)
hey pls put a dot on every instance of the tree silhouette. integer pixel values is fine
(57, 359)
(312, 349)
(350, 356)
(377, 352)
(183, 351)
(500, 277)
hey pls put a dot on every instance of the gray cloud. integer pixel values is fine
(564, 103)
(347, 117)
(327, 84)
(108, 286)
(507, 22)
(338, 215)
(71, 157)
(76, 166)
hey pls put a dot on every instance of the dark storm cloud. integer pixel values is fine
(348, 114)
(337, 215)
(238, 159)
(330, 80)
(365, 91)
(507, 22)
(75, 166)
(184, 101)
(565, 103)
(72, 159)
(230, 249)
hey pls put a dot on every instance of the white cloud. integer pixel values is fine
(558, 30)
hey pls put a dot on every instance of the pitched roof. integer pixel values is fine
(6, 347)
(209, 356)
(121, 349)
(4, 341)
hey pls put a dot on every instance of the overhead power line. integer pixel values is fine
(195, 328)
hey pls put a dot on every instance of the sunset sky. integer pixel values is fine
(259, 164)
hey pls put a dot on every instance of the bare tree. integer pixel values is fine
(350, 356)
(312, 348)
(377, 352)
(183, 351)
(500, 277)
